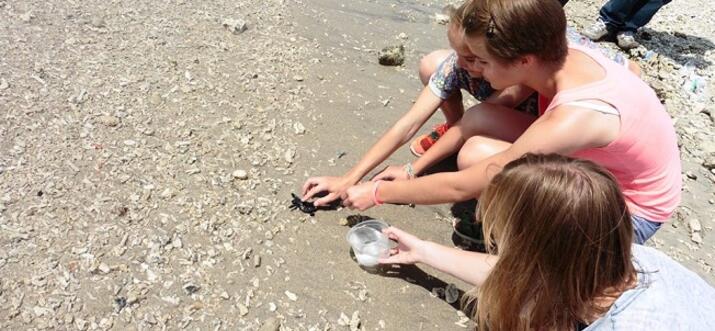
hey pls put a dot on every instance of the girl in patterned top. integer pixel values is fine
(445, 73)
(593, 109)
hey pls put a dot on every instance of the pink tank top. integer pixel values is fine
(644, 157)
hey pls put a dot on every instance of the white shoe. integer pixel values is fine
(596, 31)
(626, 40)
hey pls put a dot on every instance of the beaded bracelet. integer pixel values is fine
(409, 170)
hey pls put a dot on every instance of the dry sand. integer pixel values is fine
(148, 151)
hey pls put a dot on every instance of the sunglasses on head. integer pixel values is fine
(491, 27)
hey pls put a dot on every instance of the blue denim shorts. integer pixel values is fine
(643, 229)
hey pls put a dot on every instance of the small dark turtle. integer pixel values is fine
(304, 206)
(308, 207)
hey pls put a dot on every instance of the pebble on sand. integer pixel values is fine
(240, 174)
(392, 55)
(694, 225)
(108, 120)
(291, 295)
(236, 26)
(271, 324)
(441, 18)
(696, 238)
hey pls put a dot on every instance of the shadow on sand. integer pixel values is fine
(463, 211)
(680, 47)
(435, 286)
(411, 273)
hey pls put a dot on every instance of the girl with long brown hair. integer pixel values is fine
(565, 257)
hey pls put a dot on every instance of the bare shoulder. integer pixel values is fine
(598, 126)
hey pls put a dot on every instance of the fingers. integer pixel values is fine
(386, 174)
(317, 188)
(391, 236)
(348, 203)
(383, 176)
(397, 257)
(394, 259)
(310, 182)
(378, 173)
(359, 196)
(404, 240)
(325, 200)
(349, 199)
(391, 258)
(393, 233)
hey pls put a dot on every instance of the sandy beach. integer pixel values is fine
(148, 152)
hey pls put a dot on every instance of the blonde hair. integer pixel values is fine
(563, 234)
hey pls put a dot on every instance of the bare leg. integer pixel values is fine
(488, 130)
(479, 148)
(452, 108)
(492, 123)
(496, 121)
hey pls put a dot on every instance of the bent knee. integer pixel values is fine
(430, 62)
(479, 148)
(496, 121)
(475, 119)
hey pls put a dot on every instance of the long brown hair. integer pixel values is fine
(563, 234)
(515, 28)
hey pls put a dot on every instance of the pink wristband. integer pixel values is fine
(375, 199)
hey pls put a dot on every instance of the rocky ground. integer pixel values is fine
(148, 151)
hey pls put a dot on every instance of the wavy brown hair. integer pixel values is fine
(564, 236)
(515, 28)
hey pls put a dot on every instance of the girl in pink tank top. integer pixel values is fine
(594, 109)
(644, 157)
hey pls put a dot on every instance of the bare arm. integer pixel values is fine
(405, 128)
(471, 267)
(447, 145)
(563, 130)
(453, 261)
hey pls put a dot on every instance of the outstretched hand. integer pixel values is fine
(409, 250)
(360, 196)
(334, 186)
